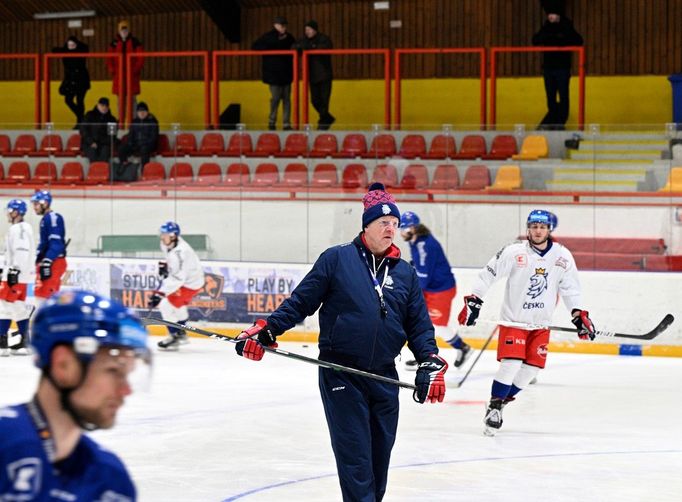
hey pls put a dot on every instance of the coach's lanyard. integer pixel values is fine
(379, 288)
(43, 428)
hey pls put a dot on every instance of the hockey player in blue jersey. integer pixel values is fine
(51, 257)
(436, 280)
(89, 349)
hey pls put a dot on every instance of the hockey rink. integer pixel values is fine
(216, 427)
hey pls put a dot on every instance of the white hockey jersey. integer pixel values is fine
(184, 268)
(534, 281)
(20, 252)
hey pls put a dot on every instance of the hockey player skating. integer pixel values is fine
(51, 256)
(182, 277)
(18, 272)
(371, 304)
(436, 280)
(87, 348)
(537, 271)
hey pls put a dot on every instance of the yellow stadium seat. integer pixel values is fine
(674, 183)
(534, 147)
(508, 178)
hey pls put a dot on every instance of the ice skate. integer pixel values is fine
(463, 354)
(182, 338)
(411, 365)
(19, 349)
(493, 417)
(4, 351)
(170, 343)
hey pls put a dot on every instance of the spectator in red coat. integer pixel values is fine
(124, 43)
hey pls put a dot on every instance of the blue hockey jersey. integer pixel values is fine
(89, 474)
(52, 232)
(431, 264)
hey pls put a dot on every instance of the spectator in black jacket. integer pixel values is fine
(319, 73)
(277, 70)
(76, 80)
(557, 31)
(143, 136)
(96, 143)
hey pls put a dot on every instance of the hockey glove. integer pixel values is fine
(154, 300)
(13, 276)
(45, 269)
(252, 340)
(469, 314)
(582, 321)
(163, 269)
(430, 380)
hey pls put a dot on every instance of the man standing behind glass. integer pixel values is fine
(277, 70)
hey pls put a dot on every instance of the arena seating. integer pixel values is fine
(534, 147)
(508, 178)
(674, 183)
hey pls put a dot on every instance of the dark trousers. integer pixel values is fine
(98, 152)
(556, 86)
(76, 103)
(362, 416)
(320, 94)
(143, 151)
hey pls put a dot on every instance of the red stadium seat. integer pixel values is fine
(51, 144)
(503, 147)
(18, 172)
(98, 174)
(72, 173)
(383, 145)
(296, 145)
(472, 147)
(153, 172)
(237, 175)
(163, 146)
(45, 172)
(295, 175)
(325, 175)
(442, 147)
(209, 174)
(2, 172)
(185, 144)
(181, 172)
(73, 145)
(445, 177)
(354, 145)
(325, 145)
(265, 175)
(415, 177)
(5, 144)
(267, 145)
(239, 144)
(386, 174)
(212, 143)
(354, 176)
(476, 177)
(413, 146)
(24, 145)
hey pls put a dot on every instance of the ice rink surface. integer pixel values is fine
(216, 427)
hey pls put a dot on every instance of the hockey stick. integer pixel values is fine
(485, 345)
(660, 328)
(284, 353)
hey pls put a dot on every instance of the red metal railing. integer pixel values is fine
(169, 54)
(387, 77)
(216, 79)
(397, 78)
(37, 116)
(59, 55)
(581, 77)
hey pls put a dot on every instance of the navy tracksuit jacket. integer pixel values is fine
(362, 414)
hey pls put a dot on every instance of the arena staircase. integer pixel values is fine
(619, 162)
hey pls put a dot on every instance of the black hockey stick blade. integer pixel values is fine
(283, 353)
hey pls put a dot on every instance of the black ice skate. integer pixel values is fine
(20, 348)
(493, 417)
(4, 351)
(463, 354)
(170, 343)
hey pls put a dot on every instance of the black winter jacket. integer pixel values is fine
(561, 34)
(277, 70)
(76, 77)
(320, 67)
(144, 132)
(93, 129)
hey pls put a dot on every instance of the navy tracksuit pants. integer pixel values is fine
(362, 415)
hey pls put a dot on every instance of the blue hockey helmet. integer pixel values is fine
(17, 205)
(409, 219)
(85, 321)
(170, 227)
(553, 221)
(542, 216)
(42, 196)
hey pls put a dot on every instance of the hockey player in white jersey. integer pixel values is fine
(537, 271)
(182, 277)
(18, 272)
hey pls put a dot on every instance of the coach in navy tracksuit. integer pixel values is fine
(371, 305)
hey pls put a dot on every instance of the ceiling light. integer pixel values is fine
(64, 15)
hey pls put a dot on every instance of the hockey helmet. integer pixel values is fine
(542, 216)
(170, 227)
(17, 205)
(409, 219)
(43, 196)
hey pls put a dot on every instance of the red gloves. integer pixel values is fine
(430, 380)
(252, 340)
(581, 320)
(469, 314)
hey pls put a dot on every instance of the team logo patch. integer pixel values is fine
(538, 283)
(389, 282)
(562, 262)
(26, 476)
(542, 350)
(521, 260)
(385, 209)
